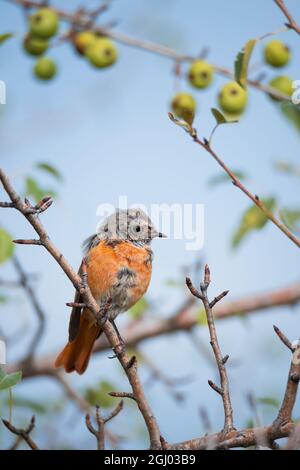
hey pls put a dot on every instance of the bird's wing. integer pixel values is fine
(90, 243)
(74, 322)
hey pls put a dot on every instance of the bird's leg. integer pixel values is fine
(121, 344)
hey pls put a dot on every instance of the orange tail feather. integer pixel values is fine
(76, 354)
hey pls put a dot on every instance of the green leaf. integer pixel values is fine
(33, 189)
(2, 373)
(242, 62)
(50, 169)
(224, 178)
(292, 113)
(99, 395)
(10, 380)
(6, 246)
(139, 308)
(269, 401)
(4, 37)
(252, 219)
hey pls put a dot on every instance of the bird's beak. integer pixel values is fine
(162, 235)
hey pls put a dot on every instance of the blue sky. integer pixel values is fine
(109, 134)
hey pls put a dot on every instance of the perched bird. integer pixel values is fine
(119, 264)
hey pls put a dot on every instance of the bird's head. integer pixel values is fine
(133, 225)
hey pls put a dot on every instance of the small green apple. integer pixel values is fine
(43, 23)
(277, 54)
(200, 74)
(102, 53)
(45, 68)
(283, 84)
(34, 45)
(184, 106)
(83, 40)
(233, 98)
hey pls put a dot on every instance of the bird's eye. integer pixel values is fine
(137, 228)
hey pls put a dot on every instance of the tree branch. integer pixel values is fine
(291, 22)
(220, 360)
(129, 364)
(82, 20)
(236, 182)
(37, 308)
(281, 427)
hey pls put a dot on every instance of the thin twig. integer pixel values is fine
(159, 374)
(281, 427)
(291, 22)
(294, 439)
(78, 400)
(185, 319)
(236, 182)
(285, 413)
(224, 389)
(84, 22)
(122, 395)
(7, 205)
(37, 308)
(284, 339)
(28, 242)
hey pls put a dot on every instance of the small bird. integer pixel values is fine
(119, 264)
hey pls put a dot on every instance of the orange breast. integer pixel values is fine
(104, 263)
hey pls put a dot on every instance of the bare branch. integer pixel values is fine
(159, 374)
(234, 439)
(285, 413)
(85, 21)
(98, 433)
(282, 426)
(28, 242)
(218, 298)
(23, 433)
(283, 338)
(129, 367)
(236, 182)
(115, 412)
(195, 292)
